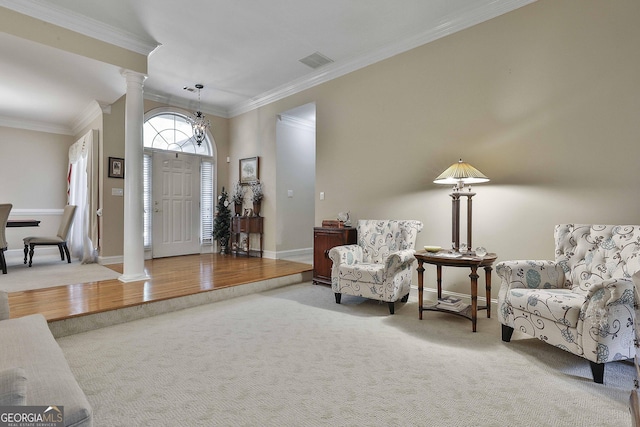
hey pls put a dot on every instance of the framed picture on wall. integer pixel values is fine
(249, 170)
(116, 167)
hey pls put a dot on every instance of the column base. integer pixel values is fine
(133, 277)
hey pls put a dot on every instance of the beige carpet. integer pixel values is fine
(292, 357)
(48, 270)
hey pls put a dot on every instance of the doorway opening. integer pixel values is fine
(295, 181)
(179, 186)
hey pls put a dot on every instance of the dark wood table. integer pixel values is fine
(23, 223)
(449, 259)
(247, 225)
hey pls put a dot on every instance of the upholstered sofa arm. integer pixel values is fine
(347, 254)
(398, 261)
(531, 274)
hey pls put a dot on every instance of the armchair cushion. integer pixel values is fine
(558, 305)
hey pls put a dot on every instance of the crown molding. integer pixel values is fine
(94, 110)
(297, 122)
(82, 24)
(461, 20)
(11, 122)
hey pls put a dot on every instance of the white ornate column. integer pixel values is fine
(133, 251)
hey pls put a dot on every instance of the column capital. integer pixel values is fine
(133, 76)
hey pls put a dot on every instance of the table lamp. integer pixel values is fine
(460, 174)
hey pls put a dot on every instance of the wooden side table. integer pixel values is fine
(325, 238)
(448, 259)
(247, 225)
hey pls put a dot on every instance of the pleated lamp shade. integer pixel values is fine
(461, 173)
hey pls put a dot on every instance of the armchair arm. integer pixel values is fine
(531, 274)
(397, 261)
(611, 292)
(608, 309)
(346, 254)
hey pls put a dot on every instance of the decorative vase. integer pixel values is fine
(238, 207)
(256, 208)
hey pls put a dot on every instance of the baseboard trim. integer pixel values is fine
(294, 253)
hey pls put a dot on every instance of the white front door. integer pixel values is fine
(176, 204)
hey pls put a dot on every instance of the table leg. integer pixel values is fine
(487, 281)
(420, 287)
(474, 296)
(439, 281)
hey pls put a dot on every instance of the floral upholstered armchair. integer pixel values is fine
(379, 266)
(583, 302)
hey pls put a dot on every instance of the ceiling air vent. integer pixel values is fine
(316, 60)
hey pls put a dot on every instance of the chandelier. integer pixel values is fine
(199, 122)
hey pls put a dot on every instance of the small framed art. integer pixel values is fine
(249, 170)
(116, 167)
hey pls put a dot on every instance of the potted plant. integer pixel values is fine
(257, 196)
(222, 222)
(237, 197)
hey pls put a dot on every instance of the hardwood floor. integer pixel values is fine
(169, 278)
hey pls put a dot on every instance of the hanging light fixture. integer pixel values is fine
(199, 122)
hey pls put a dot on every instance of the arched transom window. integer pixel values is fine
(172, 132)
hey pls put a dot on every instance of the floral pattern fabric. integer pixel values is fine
(582, 302)
(379, 266)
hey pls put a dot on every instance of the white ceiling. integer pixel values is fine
(246, 53)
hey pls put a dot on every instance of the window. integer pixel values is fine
(172, 132)
(169, 130)
(147, 200)
(206, 202)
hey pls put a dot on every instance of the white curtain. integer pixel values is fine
(83, 184)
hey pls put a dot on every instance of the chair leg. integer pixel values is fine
(392, 308)
(3, 262)
(66, 251)
(597, 370)
(507, 331)
(31, 254)
(61, 252)
(405, 298)
(338, 297)
(26, 251)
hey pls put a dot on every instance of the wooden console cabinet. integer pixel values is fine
(325, 238)
(247, 225)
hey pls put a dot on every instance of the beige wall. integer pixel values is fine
(33, 172)
(543, 100)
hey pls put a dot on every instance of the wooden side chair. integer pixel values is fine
(59, 240)
(5, 209)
